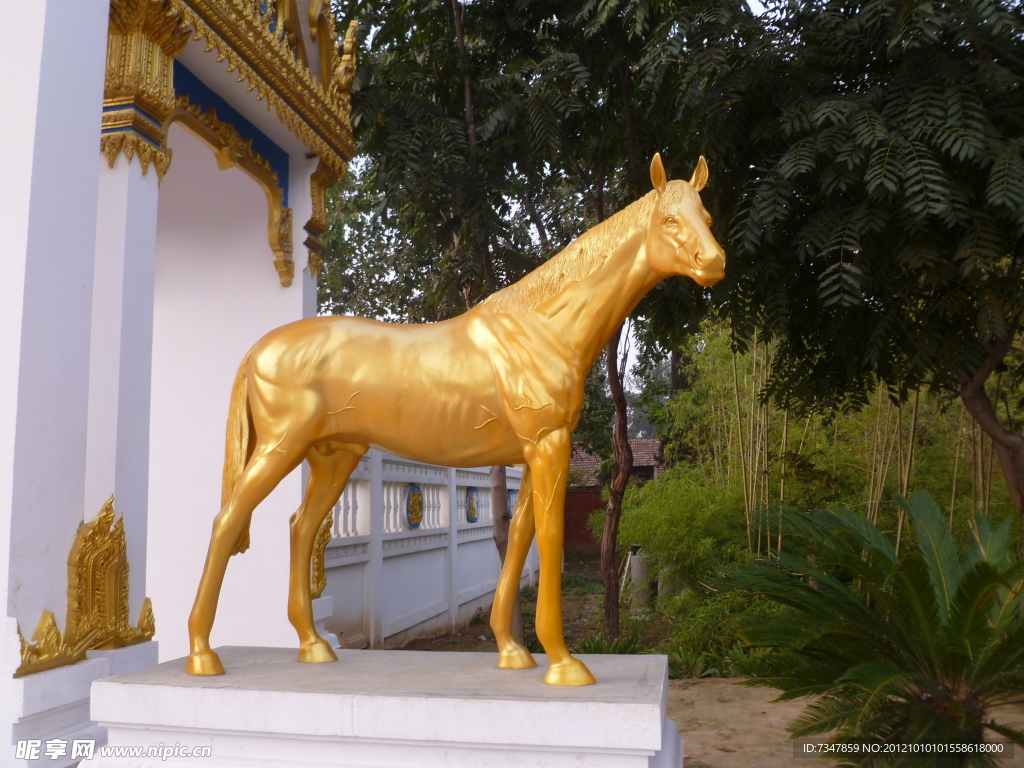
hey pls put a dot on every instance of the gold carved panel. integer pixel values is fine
(322, 179)
(97, 601)
(318, 580)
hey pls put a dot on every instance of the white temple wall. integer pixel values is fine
(217, 293)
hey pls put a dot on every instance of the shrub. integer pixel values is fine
(599, 644)
(686, 524)
(911, 648)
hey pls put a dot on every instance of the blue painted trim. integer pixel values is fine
(198, 92)
(134, 108)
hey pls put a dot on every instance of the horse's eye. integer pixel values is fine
(670, 220)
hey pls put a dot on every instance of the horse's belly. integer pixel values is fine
(443, 423)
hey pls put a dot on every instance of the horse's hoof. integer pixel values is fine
(204, 663)
(515, 657)
(569, 672)
(317, 653)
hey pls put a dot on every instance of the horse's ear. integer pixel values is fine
(658, 178)
(700, 175)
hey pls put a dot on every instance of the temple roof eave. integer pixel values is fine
(240, 35)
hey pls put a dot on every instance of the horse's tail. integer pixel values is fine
(239, 443)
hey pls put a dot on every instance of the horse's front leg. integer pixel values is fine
(512, 655)
(549, 469)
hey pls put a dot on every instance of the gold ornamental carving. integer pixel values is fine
(113, 144)
(314, 262)
(232, 150)
(143, 39)
(318, 577)
(322, 179)
(240, 33)
(97, 601)
(281, 244)
(343, 72)
(98, 586)
(49, 648)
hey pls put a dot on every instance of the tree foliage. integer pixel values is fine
(457, 125)
(881, 234)
(868, 192)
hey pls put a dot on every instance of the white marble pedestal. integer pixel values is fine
(390, 708)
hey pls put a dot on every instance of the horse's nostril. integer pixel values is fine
(698, 260)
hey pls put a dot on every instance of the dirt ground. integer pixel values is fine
(723, 723)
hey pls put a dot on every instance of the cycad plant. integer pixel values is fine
(912, 648)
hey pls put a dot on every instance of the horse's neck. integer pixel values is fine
(586, 313)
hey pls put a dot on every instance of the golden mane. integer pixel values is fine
(577, 260)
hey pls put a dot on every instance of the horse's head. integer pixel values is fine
(679, 239)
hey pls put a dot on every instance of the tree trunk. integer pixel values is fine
(501, 516)
(678, 376)
(1009, 446)
(467, 89)
(480, 241)
(622, 465)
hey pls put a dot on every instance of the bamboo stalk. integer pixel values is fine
(835, 448)
(753, 464)
(956, 463)
(988, 474)
(911, 441)
(873, 469)
(782, 460)
(906, 468)
(739, 441)
(887, 461)
(807, 424)
(975, 485)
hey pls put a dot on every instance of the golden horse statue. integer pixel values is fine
(500, 384)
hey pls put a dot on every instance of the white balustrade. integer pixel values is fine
(387, 577)
(346, 511)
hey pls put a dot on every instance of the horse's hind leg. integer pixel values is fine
(268, 466)
(330, 467)
(512, 655)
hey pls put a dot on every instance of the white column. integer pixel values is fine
(53, 97)
(50, 179)
(372, 583)
(300, 168)
(453, 550)
(117, 460)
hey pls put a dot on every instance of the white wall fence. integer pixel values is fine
(391, 581)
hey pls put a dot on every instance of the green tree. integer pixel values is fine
(873, 193)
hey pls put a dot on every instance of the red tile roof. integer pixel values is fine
(646, 454)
